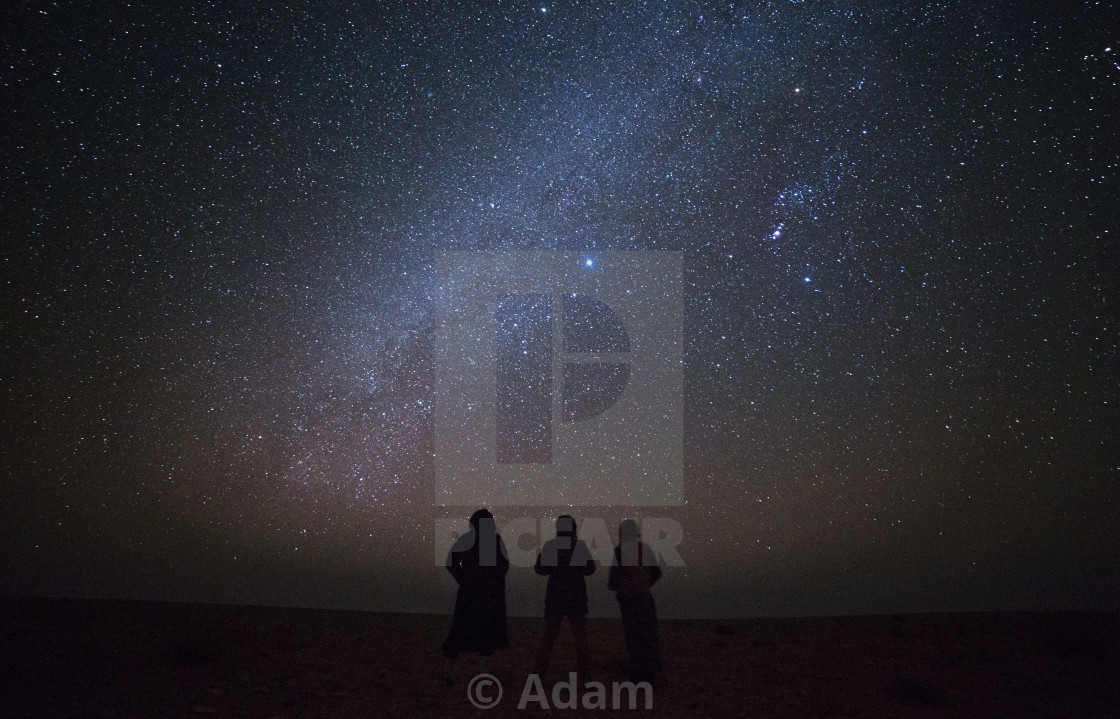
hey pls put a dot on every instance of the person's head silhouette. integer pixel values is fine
(628, 530)
(483, 517)
(565, 526)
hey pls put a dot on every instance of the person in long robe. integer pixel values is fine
(565, 560)
(478, 562)
(633, 572)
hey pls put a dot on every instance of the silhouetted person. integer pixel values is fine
(565, 560)
(479, 563)
(633, 571)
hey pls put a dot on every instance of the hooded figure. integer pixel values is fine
(565, 560)
(479, 563)
(633, 571)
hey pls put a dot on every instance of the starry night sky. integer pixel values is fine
(899, 229)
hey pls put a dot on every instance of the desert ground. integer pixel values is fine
(115, 659)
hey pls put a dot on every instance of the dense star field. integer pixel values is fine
(899, 235)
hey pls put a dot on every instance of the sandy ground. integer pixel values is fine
(92, 658)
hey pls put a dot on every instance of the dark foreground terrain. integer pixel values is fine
(91, 658)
